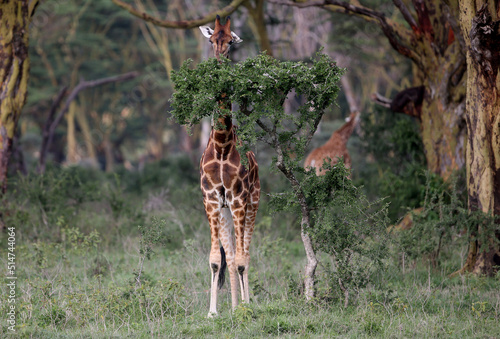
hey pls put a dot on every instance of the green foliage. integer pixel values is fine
(151, 235)
(79, 241)
(398, 171)
(62, 291)
(243, 313)
(175, 171)
(346, 226)
(41, 207)
(259, 87)
(36, 203)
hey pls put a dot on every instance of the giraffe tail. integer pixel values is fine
(226, 220)
(223, 265)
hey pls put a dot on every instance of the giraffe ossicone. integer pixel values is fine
(230, 191)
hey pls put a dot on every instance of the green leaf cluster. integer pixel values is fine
(258, 87)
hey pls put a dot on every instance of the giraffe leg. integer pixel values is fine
(250, 215)
(242, 258)
(226, 238)
(215, 261)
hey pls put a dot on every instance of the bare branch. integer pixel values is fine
(32, 5)
(50, 126)
(399, 36)
(407, 15)
(182, 24)
(408, 101)
(381, 100)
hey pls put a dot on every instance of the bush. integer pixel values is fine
(445, 221)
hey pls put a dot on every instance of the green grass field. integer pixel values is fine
(78, 255)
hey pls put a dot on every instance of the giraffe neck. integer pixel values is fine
(222, 134)
(223, 137)
(344, 132)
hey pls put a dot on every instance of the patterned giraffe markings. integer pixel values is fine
(230, 191)
(334, 148)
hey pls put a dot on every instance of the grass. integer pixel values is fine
(77, 261)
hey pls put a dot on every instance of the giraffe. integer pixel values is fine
(334, 148)
(230, 191)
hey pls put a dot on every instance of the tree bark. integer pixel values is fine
(259, 25)
(71, 154)
(305, 224)
(15, 17)
(108, 152)
(81, 118)
(480, 25)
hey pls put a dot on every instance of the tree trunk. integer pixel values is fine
(72, 157)
(15, 17)
(480, 25)
(258, 25)
(87, 136)
(305, 224)
(441, 67)
(443, 112)
(312, 261)
(108, 152)
(204, 134)
(53, 120)
(17, 163)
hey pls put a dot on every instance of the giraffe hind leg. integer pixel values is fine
(226, 238)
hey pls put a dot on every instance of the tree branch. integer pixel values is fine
(379, 99)
(51, 124)
(407, 15)
(32, 5)
(182, 24)
(399, 37)
(349, 94)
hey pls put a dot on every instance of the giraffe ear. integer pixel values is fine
(206, 31)
(236, 39)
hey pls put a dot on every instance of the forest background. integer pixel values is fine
(101, 178)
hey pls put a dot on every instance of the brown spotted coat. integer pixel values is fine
(230, 191)
(334, 148)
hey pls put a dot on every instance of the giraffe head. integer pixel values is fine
(221, 37)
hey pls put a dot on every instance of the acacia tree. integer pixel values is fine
(15, 17)
(260, 87)
(480, 23)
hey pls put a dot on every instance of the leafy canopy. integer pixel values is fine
(258, 87)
